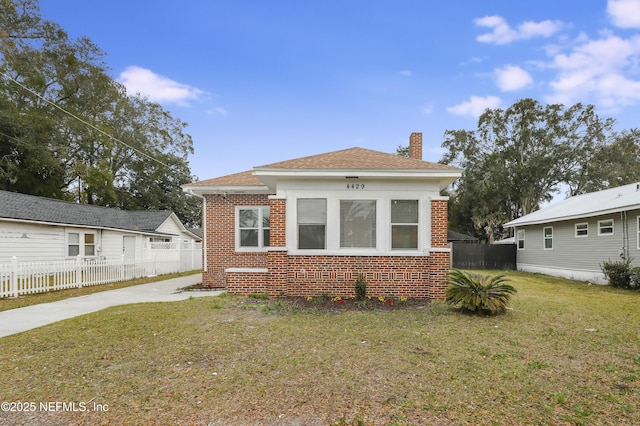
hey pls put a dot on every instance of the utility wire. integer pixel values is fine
(144, 154)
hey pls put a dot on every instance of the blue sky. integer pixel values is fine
(265, 81)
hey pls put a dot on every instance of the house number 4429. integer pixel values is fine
(355, 186)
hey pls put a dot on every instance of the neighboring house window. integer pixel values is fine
(547, 231)
(605, 227)
(312, 223)
(254, 227)
(404, 224)
(520, 238)
(357, 223)
(582, 229)
(81, 244)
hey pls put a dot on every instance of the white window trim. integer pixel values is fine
(576, 230)
(600, 227)
(81, 243)
(261, 247)
(544, 238)
(523, 239)
(391, 224)
(383, 223)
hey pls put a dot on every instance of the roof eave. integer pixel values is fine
(202, 190)
(515, 223)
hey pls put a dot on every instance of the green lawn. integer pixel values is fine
(566, 353)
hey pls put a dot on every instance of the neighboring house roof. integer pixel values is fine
(23, 207)
(458, 236)
(344, 163)
(612, 200)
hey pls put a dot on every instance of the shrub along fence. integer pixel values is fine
(483, 256)
(19, 278)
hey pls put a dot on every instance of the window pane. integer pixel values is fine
(266, 217)
(311, 236)
(404, 236)
(74, 250)
(312, 210)
(89, 238)
(266, 237)
(404, 211)
(357, 223)
(248, 238)
(74, 238)
(248, 218)
(89, 250)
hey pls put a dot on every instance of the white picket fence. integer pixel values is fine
(18, 278)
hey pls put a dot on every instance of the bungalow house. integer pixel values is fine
(43, 229)
(572, 238)
(312, 225)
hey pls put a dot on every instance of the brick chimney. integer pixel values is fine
(415, 145)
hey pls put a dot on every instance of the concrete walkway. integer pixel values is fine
(22, 319)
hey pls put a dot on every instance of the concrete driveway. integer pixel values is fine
(22, 319)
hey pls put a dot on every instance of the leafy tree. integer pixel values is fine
(68, 130)
(518, 157)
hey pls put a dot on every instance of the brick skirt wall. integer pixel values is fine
(419, 277)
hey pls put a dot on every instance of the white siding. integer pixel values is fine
(579, 254)
(31, 242)
(169, 226)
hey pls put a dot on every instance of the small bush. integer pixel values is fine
(617, 272)
(635, 278)
(361, 287)
(476, 293)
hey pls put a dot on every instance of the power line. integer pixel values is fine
(144, 154)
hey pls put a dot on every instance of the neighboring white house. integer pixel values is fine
(572, 238)
(43, 229)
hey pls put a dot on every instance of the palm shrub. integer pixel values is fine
(483, 294)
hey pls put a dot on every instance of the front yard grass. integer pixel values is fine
(565, 353)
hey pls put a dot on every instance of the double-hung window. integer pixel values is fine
(605, 227)
(404, 224)
(520, 239)
(547, 232)
(312, 223)
(253, 228)
(81, 244)
(357, 224)
(582, 229)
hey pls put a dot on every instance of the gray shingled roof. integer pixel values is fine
(29, 207)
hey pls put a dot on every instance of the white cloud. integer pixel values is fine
(475, 106)
(156, 87)
(502, 33)
(406, 73)
(511, 78)
(624, 13)
(605, 72)
(219, 111)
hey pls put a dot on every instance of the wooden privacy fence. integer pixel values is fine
(18, 278)
(483, 256)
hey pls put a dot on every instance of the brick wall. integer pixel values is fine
(220, 228)
(397, 276)
(335, 275)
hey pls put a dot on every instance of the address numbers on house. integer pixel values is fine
(355, 186)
